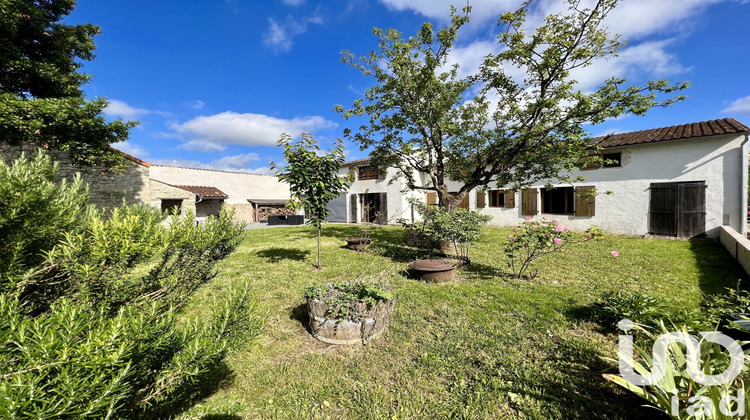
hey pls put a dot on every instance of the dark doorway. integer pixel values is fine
(373, 208)
(678, 209)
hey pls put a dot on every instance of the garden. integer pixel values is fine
(484, 345)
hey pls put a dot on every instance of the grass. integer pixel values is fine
(483, 346)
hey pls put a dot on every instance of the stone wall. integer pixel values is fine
(161, 191)
(107, 188)
(207, 207)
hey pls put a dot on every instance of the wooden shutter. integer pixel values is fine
(528, 202)
(585, 201)
(384, 207)
(510, 199)
(481, 203)
(691, 209)
(464, 203)
(663, 209)
(432, 198)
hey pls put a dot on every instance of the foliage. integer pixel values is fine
(343, 297)
(461, 228)
(425, 116)
(313, 176)
(41, 99)
(92, 328)
(677, 393)
(532, 240)
(35, 212)
(615, 305)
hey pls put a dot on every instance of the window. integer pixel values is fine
(367, 172)
(169, 206)
(612, 160)
(558, 200)
(497, 198)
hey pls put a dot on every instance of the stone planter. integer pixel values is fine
(338, 331)
(433, 270)
(357, 243)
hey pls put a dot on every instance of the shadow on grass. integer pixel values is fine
(274, 255)
(717, 269)
(299, 314)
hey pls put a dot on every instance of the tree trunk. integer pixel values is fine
(320, 266)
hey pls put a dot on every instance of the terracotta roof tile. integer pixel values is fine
(677, 132)
(131, 158)
(356, 162)
(202, 191)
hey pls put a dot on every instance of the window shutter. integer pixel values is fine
(431, 198)
(480, 200)
(528, 202)
(510, 199)
(585, 201)
(384, 206)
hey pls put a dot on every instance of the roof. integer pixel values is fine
(212, 170)
(356, 162)
(202, 191)
(131, 158)
(268, 202)
(675, 132)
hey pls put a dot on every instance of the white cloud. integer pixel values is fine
(214, 132)
(739, 106)
(131, 149)
(280, 34)
(196, 104)
(293, 3)
(117, 108)
(481, 10)
(237, 163)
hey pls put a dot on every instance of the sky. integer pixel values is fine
(214, 83)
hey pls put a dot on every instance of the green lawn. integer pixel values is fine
(483, 346)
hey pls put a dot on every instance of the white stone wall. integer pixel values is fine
(716, 160)
(237, 185)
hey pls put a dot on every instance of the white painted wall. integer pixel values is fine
(237, 185)
(716, 160)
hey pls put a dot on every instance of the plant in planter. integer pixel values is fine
(453, 232)
(348, 312)
(359, 243)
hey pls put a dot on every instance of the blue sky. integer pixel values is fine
(214, 83)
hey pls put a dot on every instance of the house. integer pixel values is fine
(168, 188)
(683, 181)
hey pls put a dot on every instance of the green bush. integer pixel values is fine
(88, 314)
(613, 306)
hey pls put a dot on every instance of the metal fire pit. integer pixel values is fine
(433, 270)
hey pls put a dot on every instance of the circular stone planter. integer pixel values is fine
(433, 270)
(337, 331)
(358, 244)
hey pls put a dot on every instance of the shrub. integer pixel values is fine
(36, 211)
(532, 240)
(348, 301)
(613, 306)
(88, 318)
(461, 228)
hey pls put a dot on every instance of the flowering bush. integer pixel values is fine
(534, 239)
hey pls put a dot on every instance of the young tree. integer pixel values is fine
(41, 100)
(492, 125)
(313, 177)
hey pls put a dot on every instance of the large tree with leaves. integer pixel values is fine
(313, 177)
(517, 120)
(41, 100)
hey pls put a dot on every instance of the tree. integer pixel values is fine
(313, 177)
(492, 126)
(41, 100)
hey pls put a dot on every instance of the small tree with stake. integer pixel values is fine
(313, 177)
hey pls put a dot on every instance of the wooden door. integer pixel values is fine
(678, 209)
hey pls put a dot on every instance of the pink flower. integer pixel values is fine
(527, 218)
(565, 229)
(559, 228)
(557, 241)
(533, 226)
(515, 229)
(615, 253)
